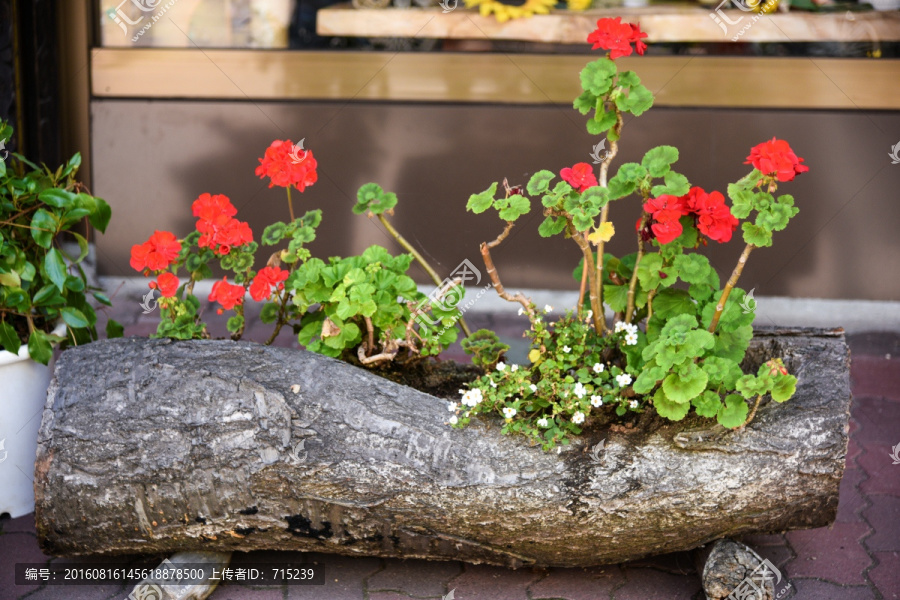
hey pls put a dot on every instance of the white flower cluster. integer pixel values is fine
(596, 401)
(509, 412)
(630, 330)
(472, 397)
(598, 368)
(622, 379)
(578, 418)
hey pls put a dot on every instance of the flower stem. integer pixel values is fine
(582, 289)
(632, 285)
(495, 278)
(604, 217)
(732, 281)
(420, 259)
(290, 203)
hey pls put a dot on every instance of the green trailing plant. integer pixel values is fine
(42, 281)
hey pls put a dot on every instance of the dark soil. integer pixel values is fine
(441, 378)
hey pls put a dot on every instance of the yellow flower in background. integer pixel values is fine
(579, 4)
(505, 12)
(603, 234)
(534, 355)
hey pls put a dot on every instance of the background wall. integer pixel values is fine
(153, 158)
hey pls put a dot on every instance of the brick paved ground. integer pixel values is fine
(858, 558)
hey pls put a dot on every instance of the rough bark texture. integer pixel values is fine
(161, 446)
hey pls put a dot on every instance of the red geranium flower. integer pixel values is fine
(666, 208)
(580, 176)
(166, 283)
(226, 294)
(262, 284)
(667, 231)
(157, 253)
(615, 36)
(775, 158)
(211, 208)
(222, 237)
(286, 165)
(714, 218)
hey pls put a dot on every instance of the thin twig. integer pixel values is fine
(582, 289)
(370, 346)
(752, 412)
(604, 217)
(495, 278)
(632, 285)
(732, 281)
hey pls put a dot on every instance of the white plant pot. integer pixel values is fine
(23, 392)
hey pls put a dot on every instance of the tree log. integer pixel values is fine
(155, 446)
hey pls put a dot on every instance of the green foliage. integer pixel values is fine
(42, 282)
(371, 198)
(485, 347)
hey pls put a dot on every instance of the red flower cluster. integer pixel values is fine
(157, 253)
(217, 225)
(615, 36)
(287, 165)
(580, 176)
(226, 294)
(714, 219)
(166, 283)
(265, 280)
(775, 158)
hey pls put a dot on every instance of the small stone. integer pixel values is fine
(295, 388)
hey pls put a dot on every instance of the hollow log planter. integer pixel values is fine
(152, 446)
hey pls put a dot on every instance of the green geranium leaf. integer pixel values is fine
(616, 296)
(707, 404)
(674, 411)
(671, 302)
(638, 100)
(518, 206)
(756, 235)
(784, 387)
(552, 226)
(648, 379)
(751, 386)
(583, 104)
(693, 268)
(742, 200)
(733, 412)
(273, 234)
(371, 197)
(597, 76)
(539, 182)
(603, 120)
(478, 203)
(657, 160)
(676, 185)
(776, 217)
(689, 381)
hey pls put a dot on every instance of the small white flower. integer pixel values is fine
(454, 420)
(537, 319)
(542, 422)
(453, 407)
(620, 326)
(598, 368)
(548, 308)
(580, 391)
(631, 339)
(596, 401)
(566, 349)
(633, 404)
(501, 366)
(462, 392)
(578, 418)
(521, 311)
(559, 449)
(533, 388)
(514, 368)
(472, 397)
(509, 412)
(493, 384)
(590, 314)
(623, 379)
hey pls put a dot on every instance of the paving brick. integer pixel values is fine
(851, 499)
(18, 548)
(388, 596)
(879, 420)
(830, 553)
(810, 589)
(579, 584)
(650, 584)
(677, 563)
(871, 376)
(237, 592)
(883, 474)
(82, 592)
(853, 447)
(415, 577)
(886, 576)
(492, 583)
(346, 578)
(884, 516)
(777, 555)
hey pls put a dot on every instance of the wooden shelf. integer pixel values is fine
(665, 23)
